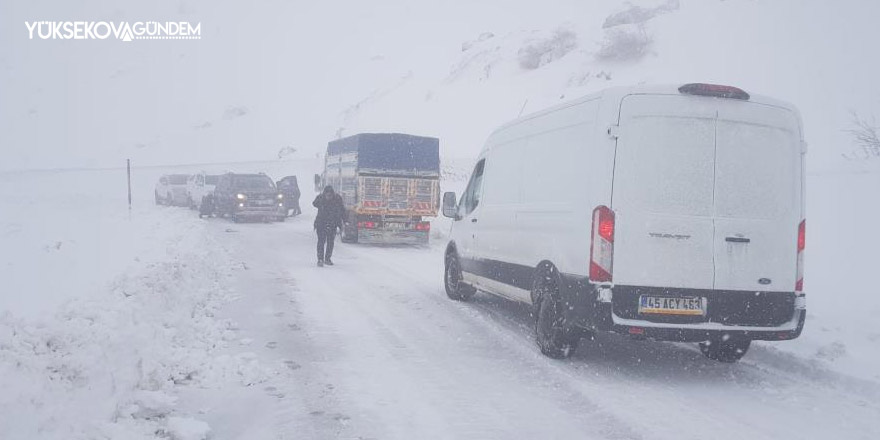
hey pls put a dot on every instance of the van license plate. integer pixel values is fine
(660, 305)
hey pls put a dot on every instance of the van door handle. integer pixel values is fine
(738, 240)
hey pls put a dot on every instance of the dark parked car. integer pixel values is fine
(248, 196)
(290, 188)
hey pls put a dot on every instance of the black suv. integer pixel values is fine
(248, 196)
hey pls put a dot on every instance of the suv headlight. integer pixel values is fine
(240, 196)
(280, 196)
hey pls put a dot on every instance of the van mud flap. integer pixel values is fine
(584, 309)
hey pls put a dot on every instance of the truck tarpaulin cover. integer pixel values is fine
(392, 151)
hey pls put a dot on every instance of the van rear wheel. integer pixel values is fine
(453, 281)
(725, 350)
(555, 338)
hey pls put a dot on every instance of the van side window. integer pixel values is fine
(471, 197)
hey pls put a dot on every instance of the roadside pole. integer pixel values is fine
(128, 171)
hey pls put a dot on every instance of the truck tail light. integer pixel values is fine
(423, 226)
(602, 245)
(801, 244)
(367, 225)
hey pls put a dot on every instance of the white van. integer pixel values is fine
(662, 212)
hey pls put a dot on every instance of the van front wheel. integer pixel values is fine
(555, 339)
(453, 281)
(728, 351)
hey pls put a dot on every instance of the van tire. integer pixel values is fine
(456, 289)
(158, 199)
(727, 351)
(555, 339)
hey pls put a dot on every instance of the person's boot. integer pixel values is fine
(320, 263)
(328, 262)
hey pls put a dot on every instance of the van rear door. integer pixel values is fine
(758, 203)
(707, 194)
(663, 192)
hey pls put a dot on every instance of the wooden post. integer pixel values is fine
(128, 170)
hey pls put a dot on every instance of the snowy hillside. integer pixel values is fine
(307, 81)
(769, 48)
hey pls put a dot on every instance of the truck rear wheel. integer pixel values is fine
(349, 234)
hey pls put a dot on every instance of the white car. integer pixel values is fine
(171, 190)
(198, 186)
(667, 213)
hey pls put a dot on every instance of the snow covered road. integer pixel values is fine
(372, 348)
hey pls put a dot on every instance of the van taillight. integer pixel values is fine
(801, 244)
(423, 226)
(602, 245)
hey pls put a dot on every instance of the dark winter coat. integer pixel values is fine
(331, 212)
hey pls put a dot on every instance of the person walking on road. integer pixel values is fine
(331, 213)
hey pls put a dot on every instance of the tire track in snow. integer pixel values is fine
(412, 326)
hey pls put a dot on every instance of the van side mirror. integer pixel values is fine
(450, 207)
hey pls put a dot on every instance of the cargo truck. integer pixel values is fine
(389, 183)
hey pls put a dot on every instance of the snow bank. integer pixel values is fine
(842, 302)
(180, 428)
(101, 358)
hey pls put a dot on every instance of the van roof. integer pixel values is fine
(617, 93)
